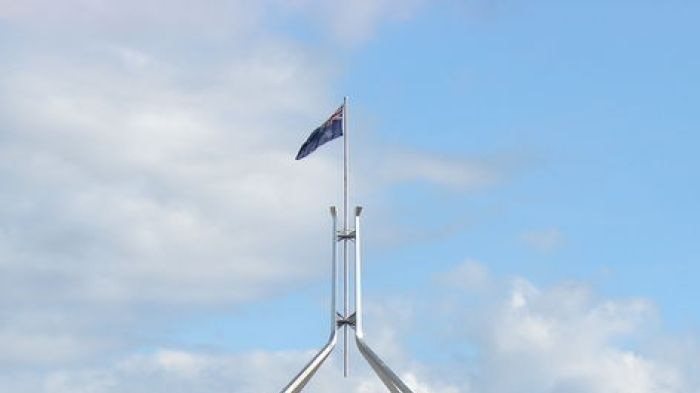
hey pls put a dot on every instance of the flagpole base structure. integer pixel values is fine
(393, 383)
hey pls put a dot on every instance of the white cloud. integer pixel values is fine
(544, 240)
(138, 175)
(561, 339)
(108, 171)
(520, 337)
(354, 22)
(130, 185)
(347, 22)
(210, 17)
(452, 173)
(177, 371)
(469, 275)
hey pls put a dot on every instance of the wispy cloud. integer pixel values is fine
(354, 23)
(459, 174)
(543, 240)
(470, 275)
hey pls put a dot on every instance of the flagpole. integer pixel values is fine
(387, 376)
(346, 277)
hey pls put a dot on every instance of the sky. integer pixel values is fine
(527, 170)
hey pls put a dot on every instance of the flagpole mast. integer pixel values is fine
(346, 277)
(392, 382)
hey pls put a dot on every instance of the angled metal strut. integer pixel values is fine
(354, 320)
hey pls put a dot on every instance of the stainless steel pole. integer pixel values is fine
(346, 277)
(334, 272)
(300, 380)
(358, 275)
(388, 377)
(392, 382)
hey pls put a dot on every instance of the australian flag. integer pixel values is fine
(329, 130)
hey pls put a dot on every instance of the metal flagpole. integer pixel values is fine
(346, 276)
(392, 382)
(358, 275)
(297, 384)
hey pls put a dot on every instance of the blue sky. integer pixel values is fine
(604, 113)
(527, 170)
(596, 99)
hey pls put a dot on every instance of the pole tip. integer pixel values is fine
(332, 209)
(358, 211)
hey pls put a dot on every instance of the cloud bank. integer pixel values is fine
(146, 163)
(498, 336)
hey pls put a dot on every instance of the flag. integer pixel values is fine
(329, 130)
